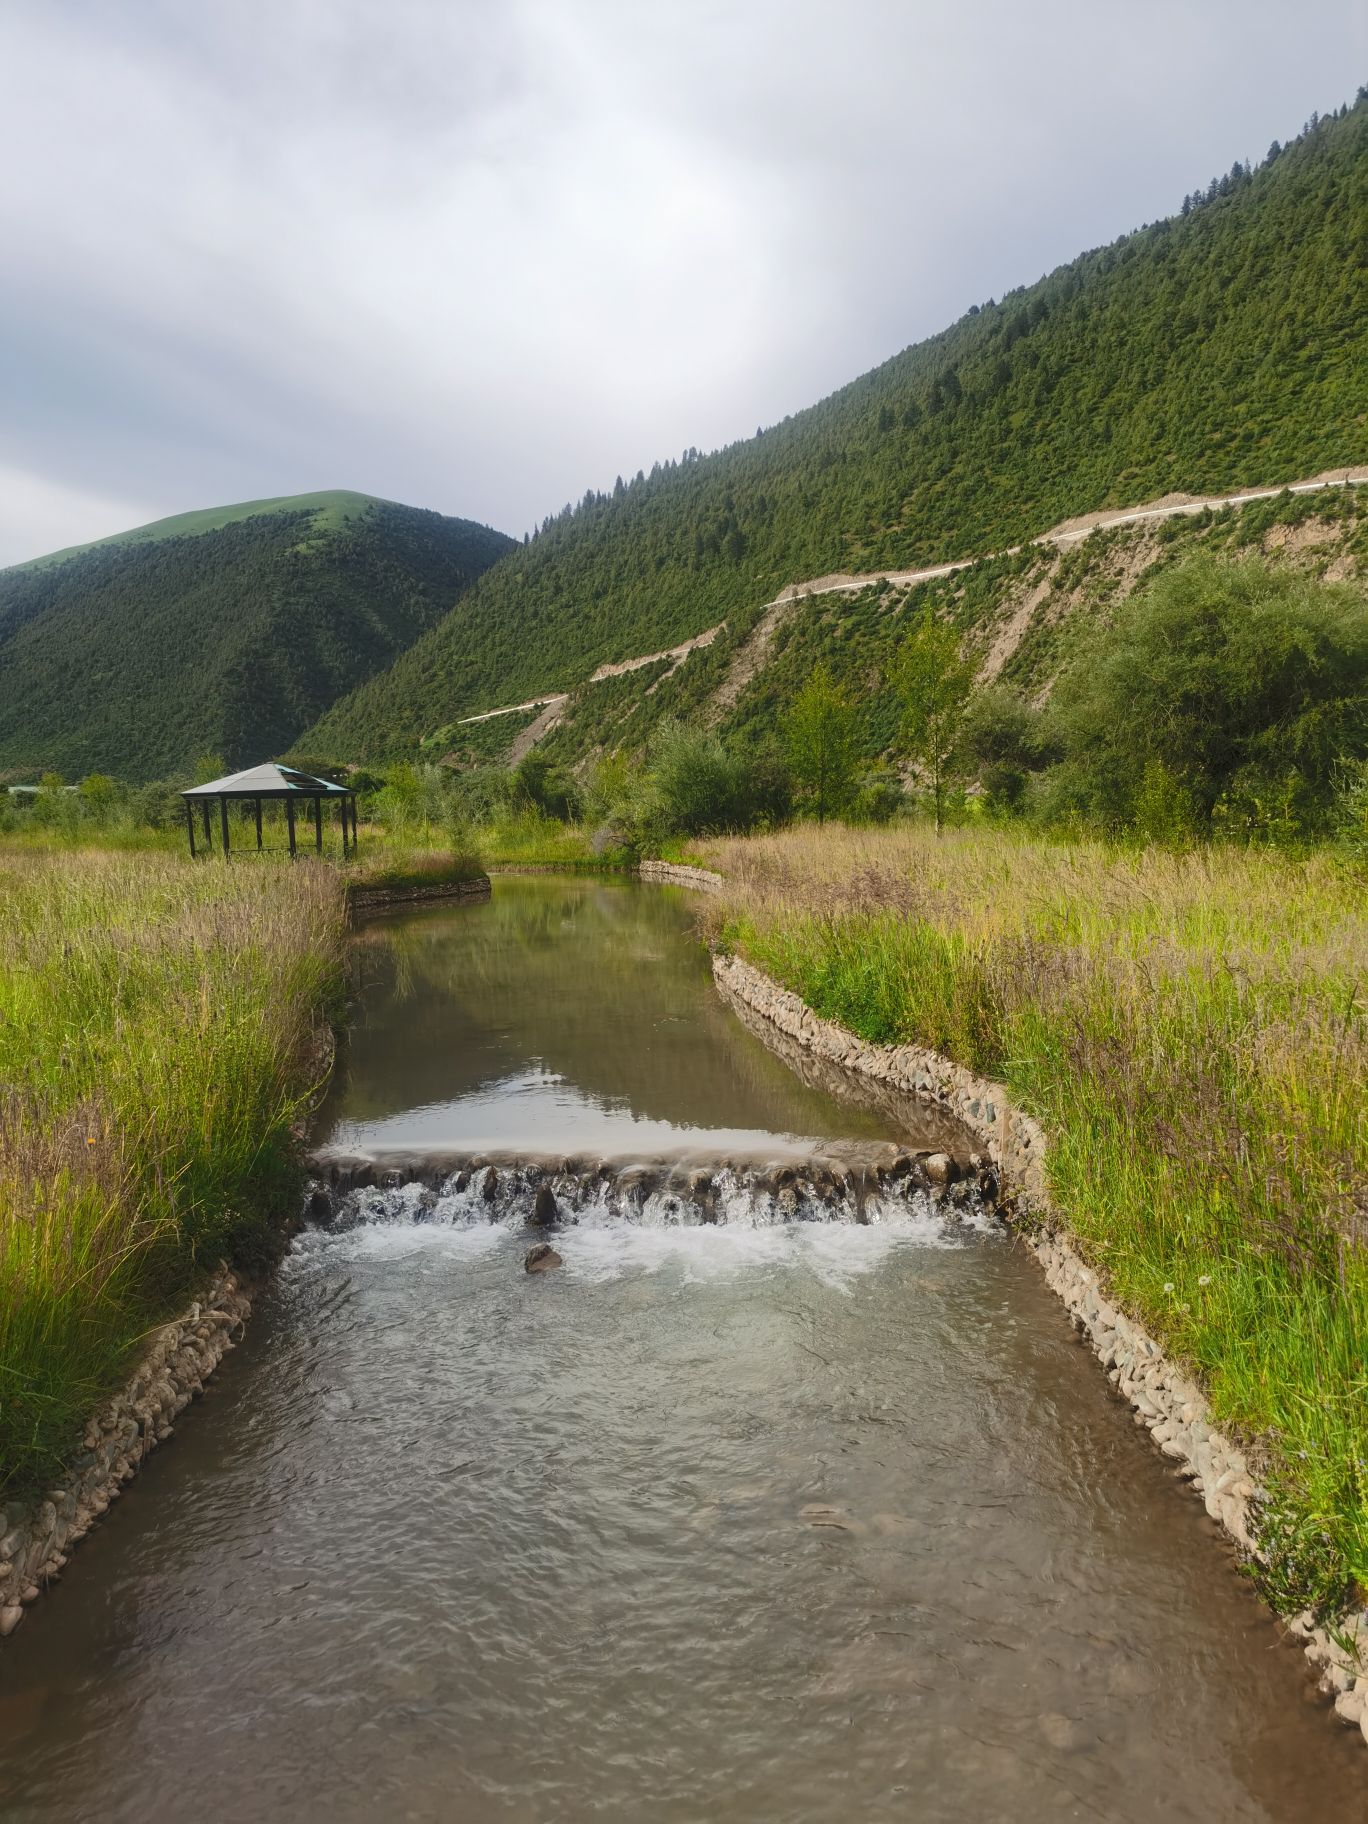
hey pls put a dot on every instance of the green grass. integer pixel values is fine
(1191, 1031)
(159, 1038)
(332, 508)
(397, 864)
(530, 839)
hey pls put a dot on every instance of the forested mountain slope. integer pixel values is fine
(1025, 619)
(1225, 346)
(226, 632)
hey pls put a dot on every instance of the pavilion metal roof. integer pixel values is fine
(269, 780)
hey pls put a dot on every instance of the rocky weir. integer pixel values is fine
(857, 1183)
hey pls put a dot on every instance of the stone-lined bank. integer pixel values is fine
(362, 898)
(37, 1535)
(1164, 1399)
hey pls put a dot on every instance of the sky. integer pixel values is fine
(482, 255)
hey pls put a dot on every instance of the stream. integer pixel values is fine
(788, 1496)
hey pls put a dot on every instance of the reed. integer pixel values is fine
(159, 1040)
(1191, 1030)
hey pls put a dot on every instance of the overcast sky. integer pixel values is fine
(482, 254)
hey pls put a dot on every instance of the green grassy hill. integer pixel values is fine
(226, 631)
(1223, 347)
(331, 509)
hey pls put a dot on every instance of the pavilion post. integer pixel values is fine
(318, 825)
(289, 819)
(258, 824)
(223, 820)
(356, 834)
(208, 835)
(343, 808)
(190, 825)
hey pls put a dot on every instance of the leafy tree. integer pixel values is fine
(400, 804)
(546, 787)
(700, 787)
(1232, 690)
(1351, 809)
(1003, 738)
(932, 681)
(98, 794)
(158, 806)
(877, 798)
(821, 741)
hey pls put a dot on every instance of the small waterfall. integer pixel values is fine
(864, 1185)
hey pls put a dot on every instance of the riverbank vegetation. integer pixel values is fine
(1190, 1029)
(162, 1027)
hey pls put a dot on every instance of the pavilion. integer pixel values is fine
(263, 784)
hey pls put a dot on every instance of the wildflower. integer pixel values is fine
(1168, 1285)
(1204, 1279)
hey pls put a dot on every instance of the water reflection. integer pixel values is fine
(569, 1014)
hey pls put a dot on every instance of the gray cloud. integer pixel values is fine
(480, 257)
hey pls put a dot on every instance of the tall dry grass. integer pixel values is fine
(159, 1026)
(1191, 1029)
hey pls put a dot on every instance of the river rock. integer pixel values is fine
(545, 1210)
(940, 1168)
(489, 1185)
(542, 1258)
(320, 1206)
(9, 1619)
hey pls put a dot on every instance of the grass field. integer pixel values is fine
(160, 1028)
(1191, 1030)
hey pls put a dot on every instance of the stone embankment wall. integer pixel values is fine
(1164, 1399)
(35, 1537)
(679, 874)
(374, 899)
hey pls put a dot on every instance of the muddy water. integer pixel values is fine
(751, 1519)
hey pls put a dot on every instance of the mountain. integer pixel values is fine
(226, 631)
(1222, 347)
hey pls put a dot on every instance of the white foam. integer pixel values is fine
(612, 1235)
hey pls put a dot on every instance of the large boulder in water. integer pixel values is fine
(542, 1258)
